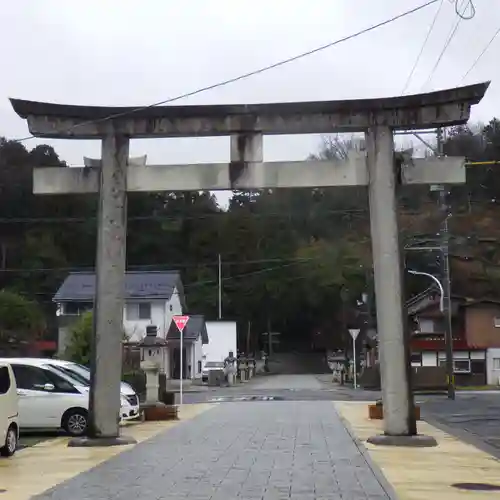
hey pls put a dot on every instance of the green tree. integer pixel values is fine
(80, 337)
(21, 320)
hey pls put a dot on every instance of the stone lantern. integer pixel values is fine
(230, 366)
(152, 356)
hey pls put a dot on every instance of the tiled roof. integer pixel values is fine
(80, 287)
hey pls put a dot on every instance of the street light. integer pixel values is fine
(438, 283)
(448, 336)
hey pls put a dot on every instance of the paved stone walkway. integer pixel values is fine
(261, 450)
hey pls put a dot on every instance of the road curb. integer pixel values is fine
(377, 472)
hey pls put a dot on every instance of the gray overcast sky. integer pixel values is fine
(122, 52)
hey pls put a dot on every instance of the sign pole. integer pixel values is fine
(354, 358)
(181, 368)
(181, 322)
(354, 334)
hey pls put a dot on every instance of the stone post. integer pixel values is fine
(251, 365)
(230, 376)
(242, 367)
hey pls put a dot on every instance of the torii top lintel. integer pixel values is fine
(434, 109)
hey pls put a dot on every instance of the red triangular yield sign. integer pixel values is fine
(180, 322)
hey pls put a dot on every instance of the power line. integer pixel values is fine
(251, 73)
(58, 220)
(429, 31)
(450, 37)
(468, 3)
(478, 58)
(250, 215)
(155, 267)
(215, 281)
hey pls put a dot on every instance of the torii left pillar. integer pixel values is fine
(106, 362)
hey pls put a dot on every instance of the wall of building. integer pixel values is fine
(480, 326)
(222, 338)
(470, 366)
(197, 358)
(136, 329)
(171, 308)
(493, 366)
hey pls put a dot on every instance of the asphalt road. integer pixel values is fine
(281, 387)
(472, 417)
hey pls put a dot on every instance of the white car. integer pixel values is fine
(49, 399)
(81, 374)
(9, 409)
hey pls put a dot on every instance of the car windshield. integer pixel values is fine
(62, 374)
(81, 370)
(77, 377)
(214, 364)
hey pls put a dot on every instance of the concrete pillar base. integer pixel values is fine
(416, 441)
(91, 442)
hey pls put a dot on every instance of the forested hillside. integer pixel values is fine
(289, 258)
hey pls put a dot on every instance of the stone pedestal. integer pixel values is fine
(152, 372)
(243, 372)
(154, 409)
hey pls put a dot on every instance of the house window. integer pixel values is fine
(76, 308)
(138, 311)
(426, 325)
(496, 321)
(416, 359)
(459, 365)
(496, 363)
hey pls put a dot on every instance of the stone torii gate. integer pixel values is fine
(114, 175)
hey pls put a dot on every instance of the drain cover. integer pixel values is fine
(477, 486)
(246, 398)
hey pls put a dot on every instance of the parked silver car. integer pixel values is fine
(212, 366)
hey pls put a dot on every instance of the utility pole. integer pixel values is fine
(220, 287)
(444, 237)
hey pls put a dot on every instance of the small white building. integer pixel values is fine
(222, 339)
(151, 298)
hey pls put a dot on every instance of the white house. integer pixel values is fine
(151, 298)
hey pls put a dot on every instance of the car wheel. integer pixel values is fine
(10, 446)
(75, 422)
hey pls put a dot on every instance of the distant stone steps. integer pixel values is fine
(298, 363)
